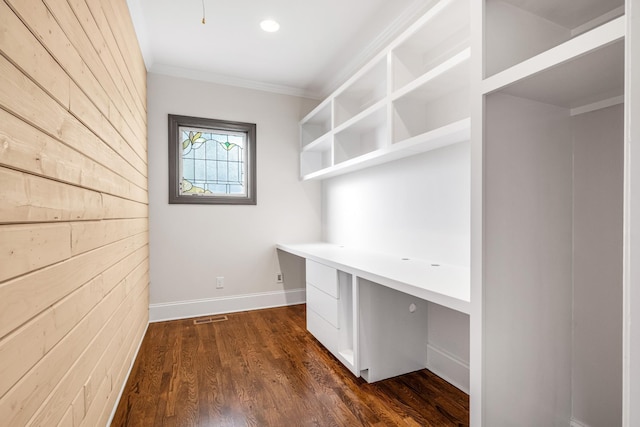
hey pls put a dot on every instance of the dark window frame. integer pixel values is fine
(177, 121)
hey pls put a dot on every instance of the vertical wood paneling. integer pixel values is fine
(74, 265)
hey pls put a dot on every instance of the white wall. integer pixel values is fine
(193, 244)
(418, 207)
(527, 263)
(598, 165)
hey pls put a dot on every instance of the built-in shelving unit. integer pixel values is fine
(547, 281)
(412, 97)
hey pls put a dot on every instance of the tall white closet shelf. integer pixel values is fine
(551, 270)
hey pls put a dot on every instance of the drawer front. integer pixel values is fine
(322, 330)
(323, 304)
(323, 277)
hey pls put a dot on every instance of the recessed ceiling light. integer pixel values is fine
(269, 25)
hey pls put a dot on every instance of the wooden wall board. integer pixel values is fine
(82, 108)
(118, 378)
(97, 10)
(97, 403)
(136, 63)
(23, 98)
(116, 207)
(78, 407)
(19, 44)
(74, 265)
(29, 198)
(80, 73)
(24, 248)
(118, 272)
(119, 44)
(53, 409)
(23, 348)
(28, 395)
(96, 56)
(90, 235)
(102, 368)
(67, 419)
(133, 279)
(135, 336)
(28, 149)
(41, 22)
(25, 297)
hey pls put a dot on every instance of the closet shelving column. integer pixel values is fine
(547, 286)
(412, 97)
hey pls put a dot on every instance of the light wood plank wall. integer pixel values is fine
(74, 263)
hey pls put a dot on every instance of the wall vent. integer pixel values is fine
(214, 319)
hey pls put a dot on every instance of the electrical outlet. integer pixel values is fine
(219, 282)
(279, 278)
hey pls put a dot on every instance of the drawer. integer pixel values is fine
(322, 330)
(323, 277)
(323, 304)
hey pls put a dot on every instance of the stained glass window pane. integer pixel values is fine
(213, 162)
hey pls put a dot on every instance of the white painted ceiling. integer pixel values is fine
(319, 45)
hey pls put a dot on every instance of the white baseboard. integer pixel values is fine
(204, 307)
(576, 423)
(448, 367)
(126, 377)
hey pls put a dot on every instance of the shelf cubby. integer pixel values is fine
(516, 30)
(316, 125)
(438, 101)
(442, 33)
(363, 136)
(316, 156)
(364, 91)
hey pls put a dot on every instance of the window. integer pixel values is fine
(211, 161)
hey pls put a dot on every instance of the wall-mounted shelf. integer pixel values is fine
(412, 97)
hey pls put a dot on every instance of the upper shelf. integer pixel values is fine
(516, 30)
(596, 56)
(446, 135)
(447, 285)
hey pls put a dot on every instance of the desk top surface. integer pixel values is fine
(444, 284)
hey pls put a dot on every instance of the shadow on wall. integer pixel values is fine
(292, 268)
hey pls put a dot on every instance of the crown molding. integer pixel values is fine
(206, 76)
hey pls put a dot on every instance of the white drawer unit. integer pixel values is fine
(330, 311)
(323, 277)
(323, 304)
(324, 332)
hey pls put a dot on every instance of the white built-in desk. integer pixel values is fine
(370, 309)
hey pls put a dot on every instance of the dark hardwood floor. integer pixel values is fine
(262, 368)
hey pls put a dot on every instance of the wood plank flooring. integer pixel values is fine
(262, 368)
